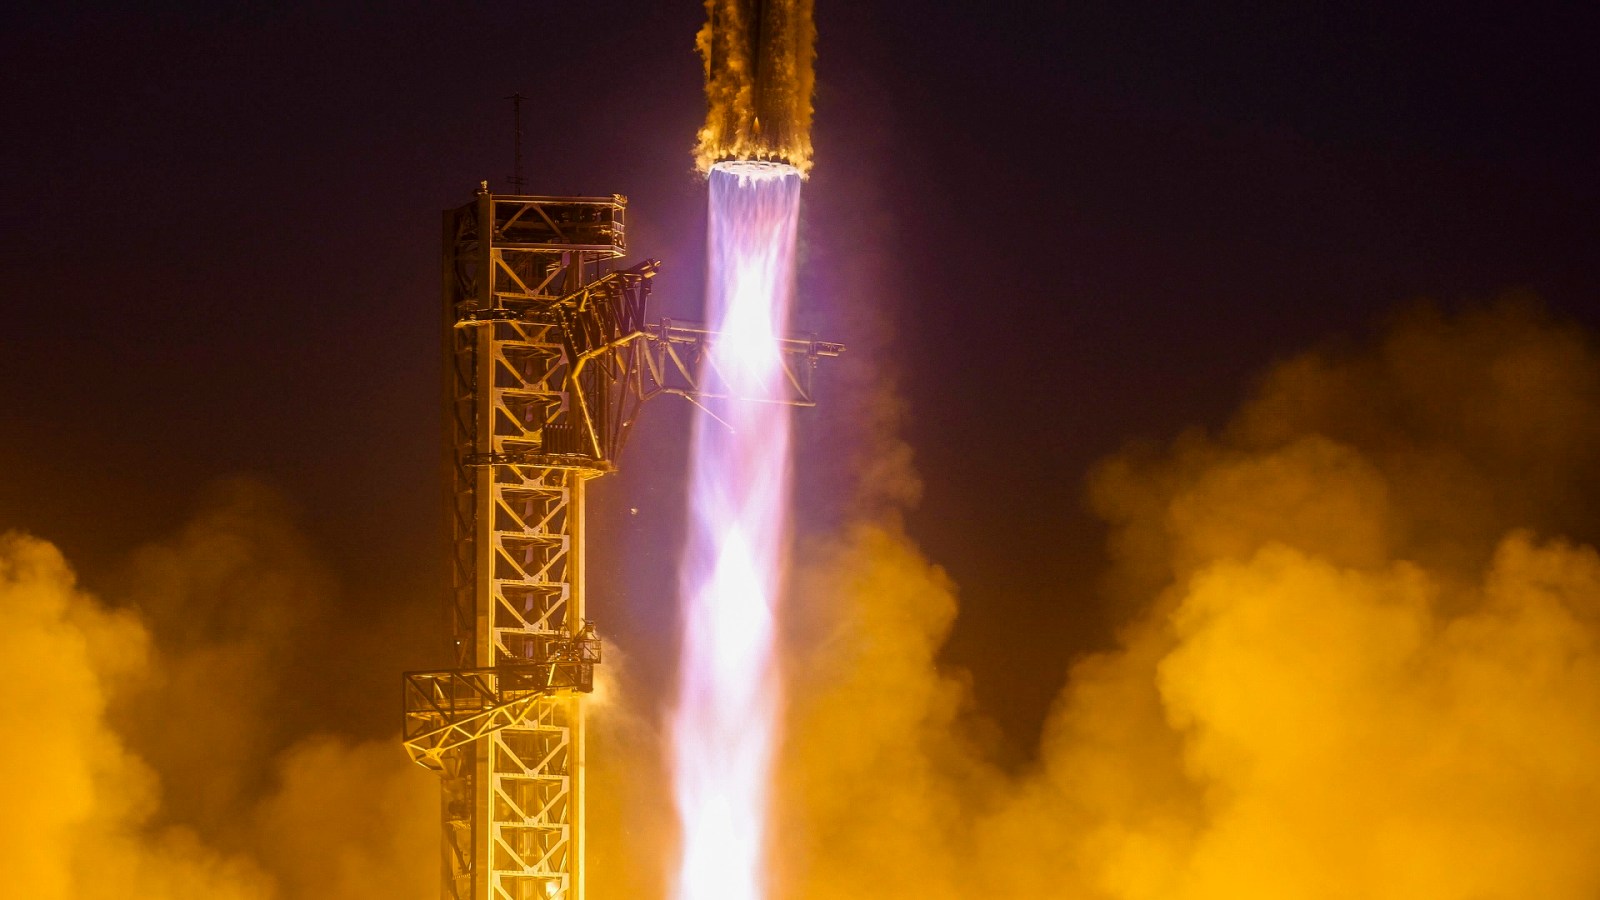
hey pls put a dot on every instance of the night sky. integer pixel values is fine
(1055, 230)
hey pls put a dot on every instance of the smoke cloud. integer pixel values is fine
(1361, 656)
(155, 759)
(351, 820)
(228, 599)
(77, 801)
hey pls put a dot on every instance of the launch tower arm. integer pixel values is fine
(615, 361)
(678, 363)
(450, 708)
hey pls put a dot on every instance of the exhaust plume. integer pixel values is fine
(758, 58)
(724, 724)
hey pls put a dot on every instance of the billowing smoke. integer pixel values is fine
(150, 754)
(349, 820)
(758, 58)
(228, 600)
(77, 800)
(1361, 657)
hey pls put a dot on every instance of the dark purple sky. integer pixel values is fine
(1077, 224)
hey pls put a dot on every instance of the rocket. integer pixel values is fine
(758, 58)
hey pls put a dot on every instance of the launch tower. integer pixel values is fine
(548, 358)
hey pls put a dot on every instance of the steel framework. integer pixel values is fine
(548, 360)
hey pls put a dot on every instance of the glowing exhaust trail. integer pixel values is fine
(728, 701)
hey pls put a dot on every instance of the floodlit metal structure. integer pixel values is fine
(548, 360)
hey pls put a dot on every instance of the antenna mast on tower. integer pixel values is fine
(518, 183)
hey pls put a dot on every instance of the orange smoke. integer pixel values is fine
(148, 762)
(1361, 658)
(77, 801)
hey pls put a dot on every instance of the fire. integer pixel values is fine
(729, 698)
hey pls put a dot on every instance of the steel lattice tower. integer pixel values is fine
(548, 359)
(522, 445)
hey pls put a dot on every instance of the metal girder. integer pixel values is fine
(603, 334)
(448, 709)
(679, 362)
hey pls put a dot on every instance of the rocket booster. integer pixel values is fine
(758, 59)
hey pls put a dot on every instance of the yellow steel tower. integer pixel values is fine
(529, 317)
(548, 358)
